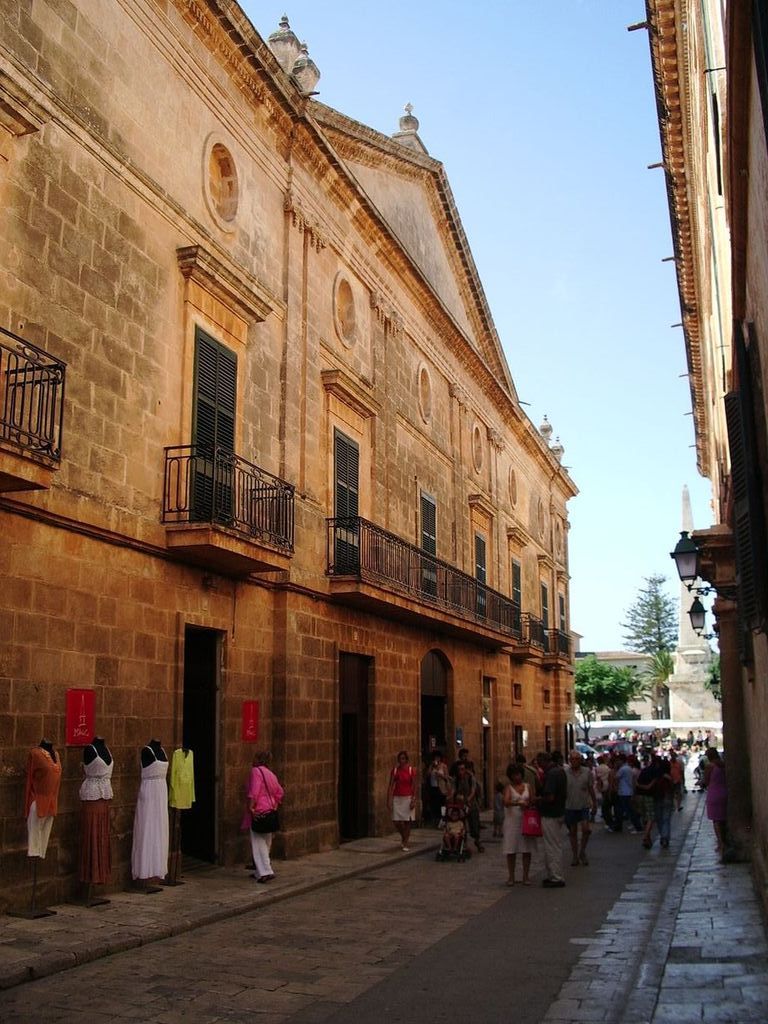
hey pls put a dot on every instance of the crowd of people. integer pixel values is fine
(633, 788)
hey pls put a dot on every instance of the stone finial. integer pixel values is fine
(546, 430)
(305, 72)
(285, 45)
(557, 449)
(408, 133)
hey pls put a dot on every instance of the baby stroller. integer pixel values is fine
(454, 825)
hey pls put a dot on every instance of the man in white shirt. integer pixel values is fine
(579, 802)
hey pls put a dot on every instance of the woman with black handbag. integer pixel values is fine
(265, 795)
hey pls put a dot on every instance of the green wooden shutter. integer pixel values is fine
(517, 583)
(215, 393)
(428, 544)
(545, 605)
(346, 460)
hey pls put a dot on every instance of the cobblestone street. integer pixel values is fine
(634, 938)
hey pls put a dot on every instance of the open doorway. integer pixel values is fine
(353, 796)
(199, 731)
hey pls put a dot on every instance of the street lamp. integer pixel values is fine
(698, 616)
(686, 557)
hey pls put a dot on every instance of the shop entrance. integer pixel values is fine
(353, 795)
(434, 703)
(200, 717)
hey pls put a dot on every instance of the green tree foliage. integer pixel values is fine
(651, 624)
(601, 688)
(657, 678)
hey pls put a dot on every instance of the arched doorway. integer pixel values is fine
(434, 703)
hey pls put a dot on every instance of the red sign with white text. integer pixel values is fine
(250, 721)
(81, 717)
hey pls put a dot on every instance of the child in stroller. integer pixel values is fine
(454, 832)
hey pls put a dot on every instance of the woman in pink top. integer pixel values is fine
(264, 794)
(401, 797)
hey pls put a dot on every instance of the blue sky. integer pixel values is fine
(544, 117)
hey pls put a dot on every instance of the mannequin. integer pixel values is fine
(149, 856)
(41, 796)
(96, 796)
(181, 796)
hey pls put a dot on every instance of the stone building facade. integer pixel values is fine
(710, 68)
(266, 482)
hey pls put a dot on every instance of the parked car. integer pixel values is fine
(585, 750)
(614, 747)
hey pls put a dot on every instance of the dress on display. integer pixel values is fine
(182, 787)
(41, 798)
(514, 841)
(95, 795)
(149, 856)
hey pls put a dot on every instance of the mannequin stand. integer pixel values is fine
(144, 887)
(174, 861)
(34, 911)
(87, 898)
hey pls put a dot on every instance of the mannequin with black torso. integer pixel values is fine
(47, 745)
(149, 854)
(97, 748)
(95, 866)
(152, 752)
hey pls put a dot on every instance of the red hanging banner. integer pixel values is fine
(80, 717)
(250, 721)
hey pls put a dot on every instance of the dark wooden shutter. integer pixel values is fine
(346, 460)
(561, 606)
(213, 431)
(480, 575)
(428, 544)
(215, 393)
(545, 605)
(517, 583)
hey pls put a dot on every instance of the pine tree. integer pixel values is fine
(651, 625)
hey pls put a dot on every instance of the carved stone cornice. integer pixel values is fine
(355, 394)
(496, 440)
(482, 504)
(386, 314)
(545, 560)
(305, 224)
(459, 394)
(227, 282)
(20, 113)
(517, 535)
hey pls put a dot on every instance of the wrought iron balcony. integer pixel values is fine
(432, 590)
(226, 512)
(534, 634)
(559, 644)
(31, 412)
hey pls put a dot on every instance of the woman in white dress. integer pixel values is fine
(149, 856)
(517, 797)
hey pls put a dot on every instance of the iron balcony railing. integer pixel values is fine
(534, 633)
(31, 397)
(213, 485)
(356, 547)
(559, 643)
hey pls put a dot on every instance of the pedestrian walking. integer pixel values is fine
(554, 790)
(717, 796)
(677, 774)
(265, 795)
(625, 792)
(580, 806)
(401, 797)
(517, 798)
(465, 784)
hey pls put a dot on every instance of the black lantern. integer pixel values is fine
(686, 556)
(698, 615)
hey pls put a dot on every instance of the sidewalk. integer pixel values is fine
(688, 945)
(31, 949)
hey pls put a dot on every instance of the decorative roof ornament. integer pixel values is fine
(557, 450)
(285, 45)
(409, 123)
(305, 72)
(408, 134)
(546, 430)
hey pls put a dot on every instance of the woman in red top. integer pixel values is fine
(401, 797)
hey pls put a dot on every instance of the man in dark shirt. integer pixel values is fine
(552, 806)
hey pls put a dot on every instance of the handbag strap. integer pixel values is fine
(266, 786)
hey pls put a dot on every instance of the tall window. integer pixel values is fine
(561, 612)
(545, 605)
(428, 543)
(480, 573)
(213, 429)
(517, 583)
(346, 463)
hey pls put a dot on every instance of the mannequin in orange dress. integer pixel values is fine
(41, 796)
